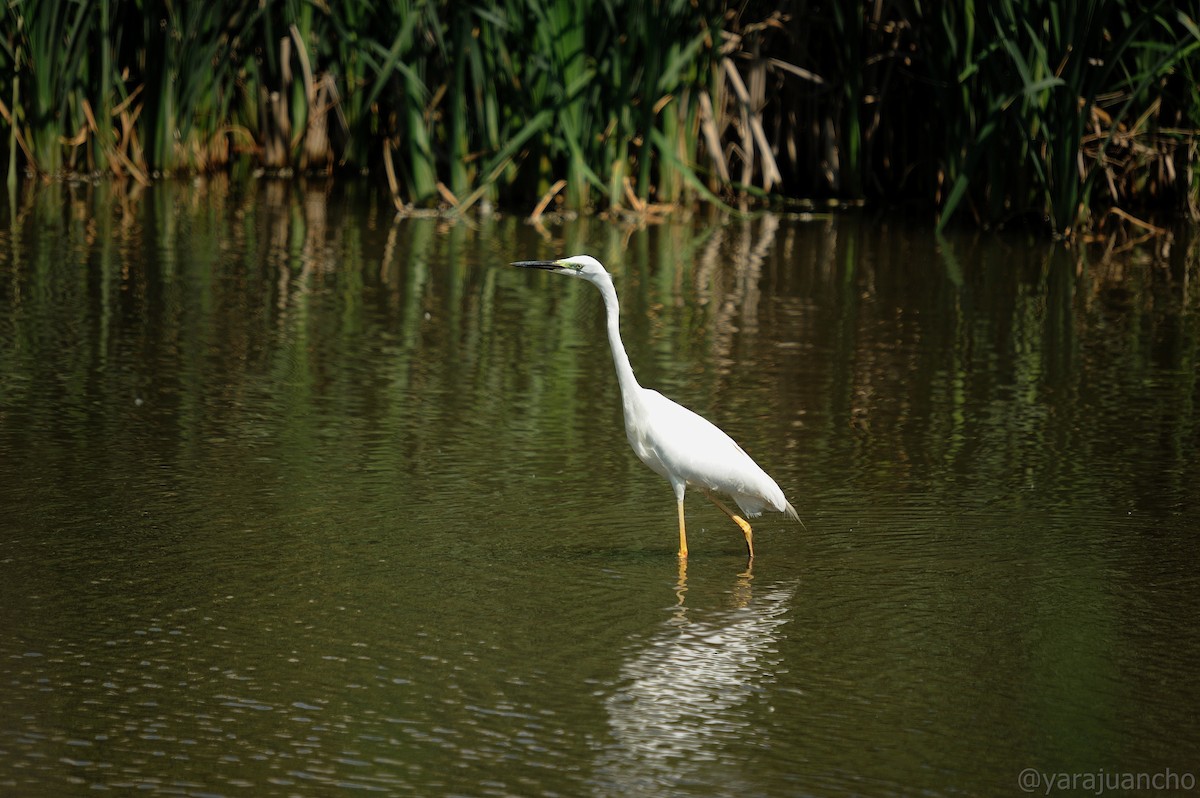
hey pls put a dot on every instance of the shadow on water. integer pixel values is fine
(335, 500)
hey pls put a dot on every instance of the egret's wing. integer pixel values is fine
(691, 447)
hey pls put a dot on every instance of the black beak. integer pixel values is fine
(548, 265)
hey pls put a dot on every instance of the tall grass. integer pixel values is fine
(1037, 77)
(1044, 110)
(1027, 110)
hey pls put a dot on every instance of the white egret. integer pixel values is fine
(683, 447)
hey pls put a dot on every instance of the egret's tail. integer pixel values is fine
(791, 511)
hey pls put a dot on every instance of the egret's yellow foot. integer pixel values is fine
(742, 523)
(682, 533)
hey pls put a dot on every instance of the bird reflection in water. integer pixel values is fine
(682, 696)
(741, 589)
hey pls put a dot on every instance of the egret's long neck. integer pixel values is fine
(628, 382)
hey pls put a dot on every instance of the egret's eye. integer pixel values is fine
(686, 449)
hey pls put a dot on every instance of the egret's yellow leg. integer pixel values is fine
(682, 531)
(742, 523)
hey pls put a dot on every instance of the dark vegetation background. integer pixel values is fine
(1070, 117)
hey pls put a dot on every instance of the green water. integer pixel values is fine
(296, 499)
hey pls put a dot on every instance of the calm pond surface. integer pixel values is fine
(296, 499)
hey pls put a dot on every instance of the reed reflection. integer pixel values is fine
(680, 696)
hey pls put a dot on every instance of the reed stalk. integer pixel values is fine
(1042, 111)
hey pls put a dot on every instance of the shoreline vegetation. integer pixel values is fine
(1076, 119)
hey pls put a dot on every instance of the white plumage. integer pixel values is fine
(683, 447)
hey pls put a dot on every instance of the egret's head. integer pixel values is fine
(584, 266)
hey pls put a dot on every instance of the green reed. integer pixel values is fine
(465, 100)
(1044, 110)
(1034, 79)
(1038, 111)
(46, 55)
